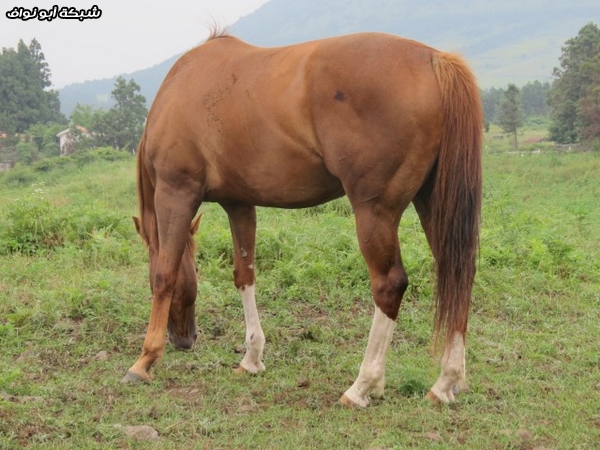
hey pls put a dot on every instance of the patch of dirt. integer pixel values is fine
(192, 396)
(23, 399)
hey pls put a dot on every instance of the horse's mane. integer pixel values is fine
(217, 32)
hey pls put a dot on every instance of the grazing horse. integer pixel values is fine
(384, 120)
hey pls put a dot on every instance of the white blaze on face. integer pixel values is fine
(371, 377)
(452, 378)
(255, 338)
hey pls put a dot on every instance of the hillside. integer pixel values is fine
(510, 42)
(97, 92)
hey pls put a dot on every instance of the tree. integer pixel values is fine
(43, 136)
(510, 116)
(490, 99)
(590, 103)
(575, 86)
(534, 98)
(24, 98)
(82, 115)
(122, 125)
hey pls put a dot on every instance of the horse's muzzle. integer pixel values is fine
(183, 343)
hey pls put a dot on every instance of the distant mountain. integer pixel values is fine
(97, 92)
(510, 42)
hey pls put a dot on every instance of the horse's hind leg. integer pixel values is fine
(242, 220)
(452, 378)
(378, 240)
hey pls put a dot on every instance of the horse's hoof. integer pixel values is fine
(433, 398)
(239, 370)
(131, 378)
(254, 369)
(345, 401)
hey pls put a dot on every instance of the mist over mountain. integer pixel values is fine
(507, 42)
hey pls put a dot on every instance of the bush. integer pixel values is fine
(26, 174)
(33, 226)
(19, 176)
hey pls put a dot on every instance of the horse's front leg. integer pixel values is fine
(242, 220)
(173, 217)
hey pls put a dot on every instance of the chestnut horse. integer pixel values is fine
(383, 120)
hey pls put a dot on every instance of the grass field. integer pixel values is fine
(74, 303)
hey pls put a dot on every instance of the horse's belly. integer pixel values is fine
(290, 185)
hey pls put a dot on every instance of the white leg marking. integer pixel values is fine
(255, 338)
(371, 377)
(452, 378)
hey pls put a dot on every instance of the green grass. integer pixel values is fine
(73, 283)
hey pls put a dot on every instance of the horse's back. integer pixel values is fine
(287, 123)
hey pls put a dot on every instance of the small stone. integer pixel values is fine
(101, 356)
(523, 434)
(246, 408)
(432, 436)
(139, 432)
(302, 383)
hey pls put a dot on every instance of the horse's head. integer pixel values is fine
(182, 318)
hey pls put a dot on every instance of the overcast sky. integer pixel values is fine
(130, 34)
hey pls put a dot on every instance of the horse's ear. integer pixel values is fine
(195, 224)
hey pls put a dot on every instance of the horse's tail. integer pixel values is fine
(146, 224)
(456, 196)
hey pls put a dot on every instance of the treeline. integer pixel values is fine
(27, 105)
(571, 103)
(532, 100)
(24, 79)
(120, 127)
(30, 116)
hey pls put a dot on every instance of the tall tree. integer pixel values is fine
(510, 116)
(43, 69)
(122, 125)
(574, 86)
(534, 98)
(590, 104)
(24, 98)
(82, 115)
(490, 99)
